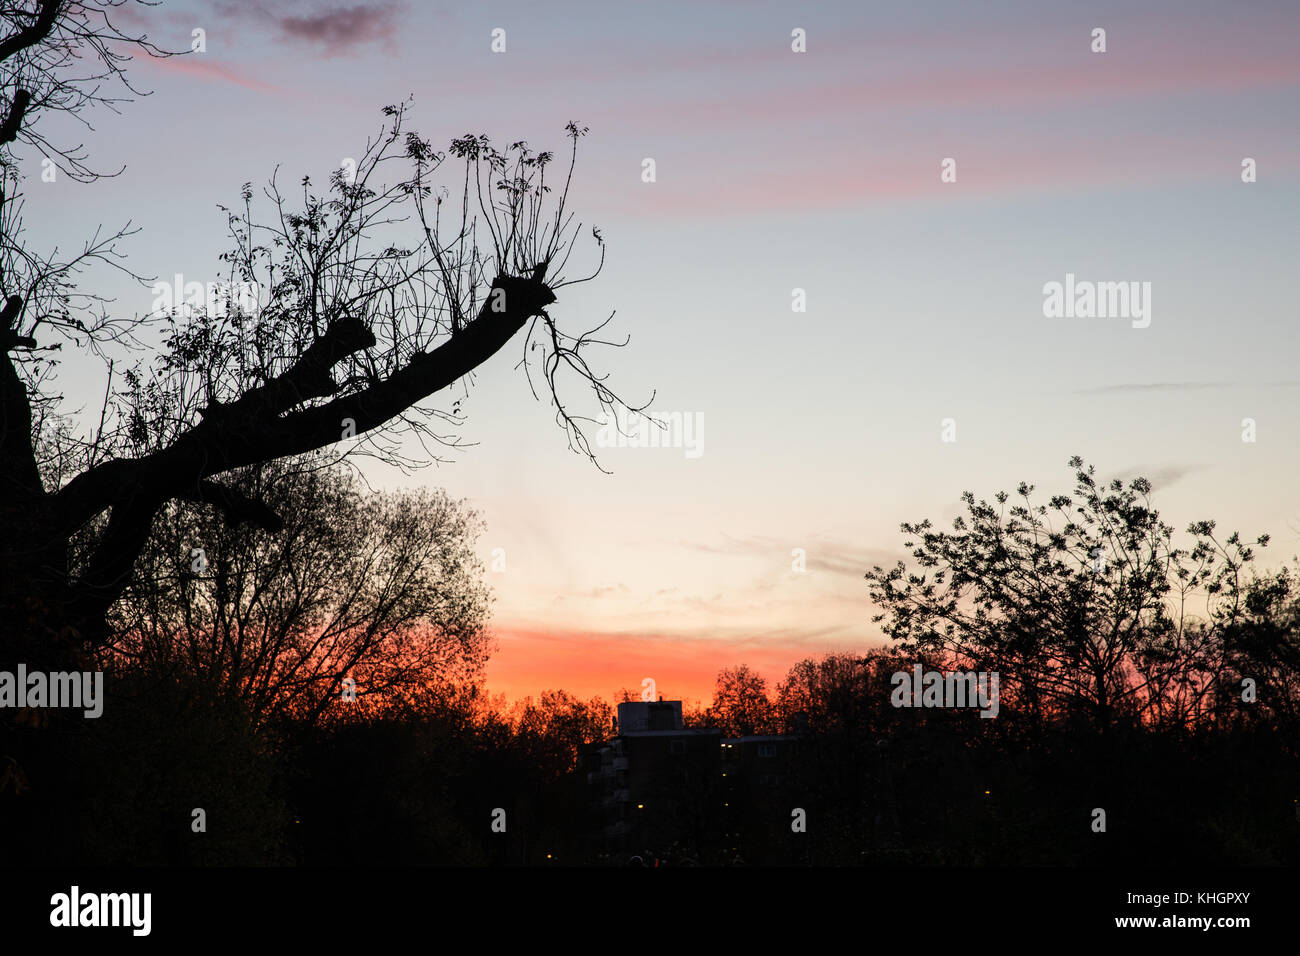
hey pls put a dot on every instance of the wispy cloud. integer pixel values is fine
(331, 29)
(592, 593)
(1161, 477)
(205, 69)
(1151, 387)
(821, 554)
(1132, 387)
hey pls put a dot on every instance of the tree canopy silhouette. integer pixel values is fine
(740, 703)
(382, 588)
(369, 309)
(351, 320)
(1084, 603)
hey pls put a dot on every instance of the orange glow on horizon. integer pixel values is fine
(528, 661)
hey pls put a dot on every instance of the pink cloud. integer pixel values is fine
(334, 30)
(764, 191)
(714, 183)
(199, 65)
(987, 61)
(954, 89)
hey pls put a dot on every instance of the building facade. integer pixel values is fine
(661, 791)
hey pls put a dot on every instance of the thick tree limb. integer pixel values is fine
(33, 34)
(235, 505)
(257, 432)
(17, 457)
(14, 121)
(9, 337)
(307, 378)
(109, 569)
(9, 314)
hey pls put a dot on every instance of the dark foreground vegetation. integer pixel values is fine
(223, 695)
(293, 664)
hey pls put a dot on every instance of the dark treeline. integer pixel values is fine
(417, 782)
(317, 692)
(293, 664)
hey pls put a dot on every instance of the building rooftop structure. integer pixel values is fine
(657, 782)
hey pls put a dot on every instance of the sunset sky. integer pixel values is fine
(775, 171)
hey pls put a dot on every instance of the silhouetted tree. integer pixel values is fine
(556, 727)
(1260, 659)
(381, 588)
(364, 305)
(740, 703)
(1083, 604)
(65, 58)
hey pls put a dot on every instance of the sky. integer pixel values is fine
(775, 171)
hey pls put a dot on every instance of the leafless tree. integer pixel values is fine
(62, 58)
(372, 303)
(382, 589)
